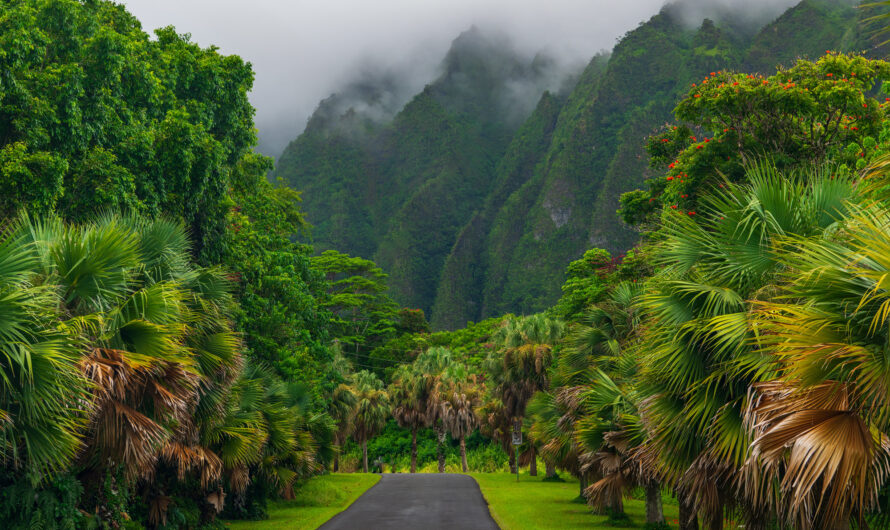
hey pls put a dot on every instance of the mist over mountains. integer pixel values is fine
(507, 156)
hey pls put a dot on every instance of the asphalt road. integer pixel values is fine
(421, 502)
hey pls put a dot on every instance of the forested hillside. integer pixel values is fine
(459, 200)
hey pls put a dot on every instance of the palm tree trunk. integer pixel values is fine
(715, 519)
(533, 465)
(582, 482)
(688, 517)
(414, 449)
(440, 450)
(654, 508)
(463, 454)
(337, 461)
(550, 469)
(365, 456)
(617, 505)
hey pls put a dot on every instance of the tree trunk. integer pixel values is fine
(414, 449)
(617, 504)
(550, 469)
(337, 461)
(463, 454)
(715, 519)
(654, 508)
(533, 465)
(365, 456)
(440, 450)
(582, 484)
(688, 517)
(512, 461)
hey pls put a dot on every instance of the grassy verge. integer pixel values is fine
(318, 500)
(531, 503)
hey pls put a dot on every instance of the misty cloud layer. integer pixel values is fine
(305, 50)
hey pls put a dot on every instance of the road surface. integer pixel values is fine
(417, 502)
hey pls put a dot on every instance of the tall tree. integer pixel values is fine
(371, 412)
(460, 395)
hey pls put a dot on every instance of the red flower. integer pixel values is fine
(829, 75)
(713, 74)
(699, 146)
(673, 207)
(707, 140)
(855, 128)
(691, 213)
(865, 105)
(670, 178)
(697, 96)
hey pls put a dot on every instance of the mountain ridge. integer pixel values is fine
(458, 200)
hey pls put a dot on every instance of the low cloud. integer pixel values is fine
(304, 50)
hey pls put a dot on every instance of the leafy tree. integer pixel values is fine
(363, 314)
(93, 113)
(280, 293)
(801, 116)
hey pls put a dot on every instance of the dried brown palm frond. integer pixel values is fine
(121, 430)
(186, 458)
(239, 478)
(814, 458)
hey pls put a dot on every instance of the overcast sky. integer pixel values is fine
(302, 50)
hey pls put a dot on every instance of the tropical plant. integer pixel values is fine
(42, 390)
(371, 411)
(821, 450)
(520, 367)
(459, 395)
(411, 403)
(697, 353)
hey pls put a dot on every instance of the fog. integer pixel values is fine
(302, 51)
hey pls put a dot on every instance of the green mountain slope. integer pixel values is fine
(476, 214)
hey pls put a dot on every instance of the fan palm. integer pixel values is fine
(460, 395)
(155, 338)
(699, 360)
(371, 412)
(42, 390)
(431, 366)
(822, 451)
(526, 352)
(410, 398)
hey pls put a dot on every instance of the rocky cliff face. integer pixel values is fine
(478, 192)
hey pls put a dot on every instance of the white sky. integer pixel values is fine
(302, 50)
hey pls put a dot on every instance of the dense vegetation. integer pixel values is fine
(508, 191)
(175, 352)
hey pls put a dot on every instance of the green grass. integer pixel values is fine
(531, 503)
(319, 499)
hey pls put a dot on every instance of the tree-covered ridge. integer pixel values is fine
(553, 189)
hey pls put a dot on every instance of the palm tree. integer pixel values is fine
(431, 366)
(42, 390)
(822, 452)
(460, 395)
(371, 412)
(410, 397)
(527, 348)
(341, 408)
(699, 360)
(155, 336)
